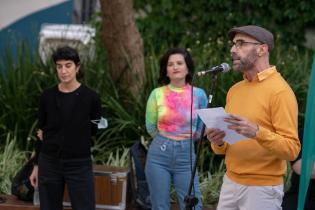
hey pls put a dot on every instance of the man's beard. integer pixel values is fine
(245, 63)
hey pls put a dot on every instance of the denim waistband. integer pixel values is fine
(165, 140)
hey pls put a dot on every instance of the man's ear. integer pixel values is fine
(263, 49)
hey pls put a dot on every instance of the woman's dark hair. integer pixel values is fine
(68, 53)
(163, 79)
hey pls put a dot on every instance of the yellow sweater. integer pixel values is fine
(269, 102)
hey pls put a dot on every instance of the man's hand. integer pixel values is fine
(215, 136)
(242, 126)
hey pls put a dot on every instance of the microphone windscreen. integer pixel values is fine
(226, 67)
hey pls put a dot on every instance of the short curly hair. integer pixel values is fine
(164, 79)
(68, 53)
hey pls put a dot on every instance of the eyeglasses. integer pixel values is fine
(239, 43)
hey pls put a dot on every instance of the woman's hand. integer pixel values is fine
(40, 134)
(34, 176)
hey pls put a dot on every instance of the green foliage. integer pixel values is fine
(210, 185)
(119, 158)
(184, 22)
(20, 85)
(11, 160)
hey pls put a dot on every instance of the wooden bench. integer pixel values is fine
(12, 203)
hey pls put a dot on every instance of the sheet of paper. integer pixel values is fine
(214, 118)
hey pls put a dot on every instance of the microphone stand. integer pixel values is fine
(191, 200)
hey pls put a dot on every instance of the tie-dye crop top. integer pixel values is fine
(168, 111)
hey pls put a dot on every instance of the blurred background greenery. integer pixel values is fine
(201, 27)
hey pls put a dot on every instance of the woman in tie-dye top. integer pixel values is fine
(168, 121)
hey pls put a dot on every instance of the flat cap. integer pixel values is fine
(260, 34)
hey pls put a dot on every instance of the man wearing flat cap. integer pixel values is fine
(263, 108)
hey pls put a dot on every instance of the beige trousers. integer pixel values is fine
(235, 196)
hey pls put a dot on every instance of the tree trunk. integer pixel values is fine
(123, 43)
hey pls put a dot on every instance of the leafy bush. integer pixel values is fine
(11, 160)
(184, 22)
(210, 185)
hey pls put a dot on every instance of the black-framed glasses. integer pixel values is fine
(240, 43)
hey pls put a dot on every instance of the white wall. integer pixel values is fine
(13, 10)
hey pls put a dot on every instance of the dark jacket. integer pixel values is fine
(68, 137)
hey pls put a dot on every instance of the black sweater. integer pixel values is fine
(65, 119)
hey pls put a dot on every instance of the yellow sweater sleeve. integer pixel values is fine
(283, 142)
(219, 150)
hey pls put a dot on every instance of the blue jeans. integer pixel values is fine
(53, 173)
(169, 161)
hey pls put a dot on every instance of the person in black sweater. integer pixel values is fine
(290, 199)
(66, 115)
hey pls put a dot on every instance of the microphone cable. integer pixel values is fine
(191, 132)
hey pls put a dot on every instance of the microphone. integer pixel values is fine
(224, 67)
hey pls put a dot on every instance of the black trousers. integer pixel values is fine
(290, 202)
(54, 173)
